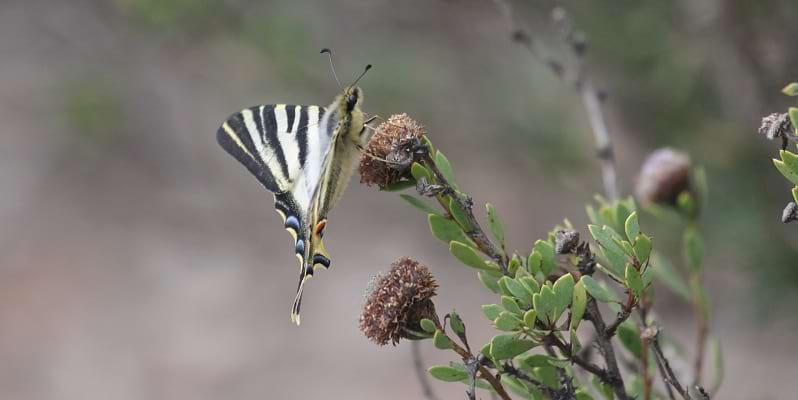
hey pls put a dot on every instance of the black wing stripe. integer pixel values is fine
(235, 138)
(268, 128)
(302, 135)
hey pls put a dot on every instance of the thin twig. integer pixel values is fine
(484, 373)
(668, 375)
(594, 369)
(626, 311)
(593, 314)
(421, 374)
(474, 231)
(511, 370)
(583, 84)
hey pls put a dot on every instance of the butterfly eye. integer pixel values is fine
(351, 100)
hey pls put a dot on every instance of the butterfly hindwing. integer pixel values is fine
(305, 155)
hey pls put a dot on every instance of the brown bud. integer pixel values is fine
(664, 176)
(397, 302)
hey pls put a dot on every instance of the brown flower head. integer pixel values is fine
(390, 151)
(397, 302)
(664, 176)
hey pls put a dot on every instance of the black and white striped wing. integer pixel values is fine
(285, 147)
(278, 144)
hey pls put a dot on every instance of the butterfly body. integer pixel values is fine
(306, 156)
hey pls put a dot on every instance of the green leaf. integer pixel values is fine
(490, 281)
(786, 171)
(441, 341)
(576, 345)
(598, 291)
(508, 345)
(795, 193)
(633, 280)
(456, 323)
(496, 226)
(578, 304)
(563, 293)
(530, 317)
(515, 385)
(419, 171)
(447, 374)
(533, 262)
(428, 326)
(632, 226)
(545, 304)
(507, 322)
(546, 251)
(548, 375)
(510, 305)
(642, 248)
(629, 335)
(530, 284)
(518, 290)
(445, 167)
(468, 256)
(503, 288)
(791, 89)
(616, 260)
(512, 266)
(419, 204)
(399, 186)
(693, 249)
(582, 394)
(459, 215)
(790, 159)
(686, 203)
(793, 115)
(605, 389)
(667, 274)
(492, 311)
(445, 229)
(531, 361)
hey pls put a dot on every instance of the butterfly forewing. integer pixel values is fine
(286, 147)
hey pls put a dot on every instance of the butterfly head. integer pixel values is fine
(353, 97)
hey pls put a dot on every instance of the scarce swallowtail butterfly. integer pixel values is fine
(306, 156)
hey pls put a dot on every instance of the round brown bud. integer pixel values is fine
(397, 302)
(664, 176)
(389, 153)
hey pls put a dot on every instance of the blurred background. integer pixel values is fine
(139, 261)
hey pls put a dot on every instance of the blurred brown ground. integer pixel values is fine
(144, 263)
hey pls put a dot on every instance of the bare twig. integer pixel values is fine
(593, 314)
(483, 372)
(652, 335)
(626, 311)
(583, 84)
(421, 374)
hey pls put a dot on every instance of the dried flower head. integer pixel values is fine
(664, 176)
(776, 125)
(397, 302)
(389, 153)
(565, 241)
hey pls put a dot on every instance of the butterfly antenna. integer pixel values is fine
(368, 67)
(329, 55)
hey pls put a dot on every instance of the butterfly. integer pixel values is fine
(304, 155)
